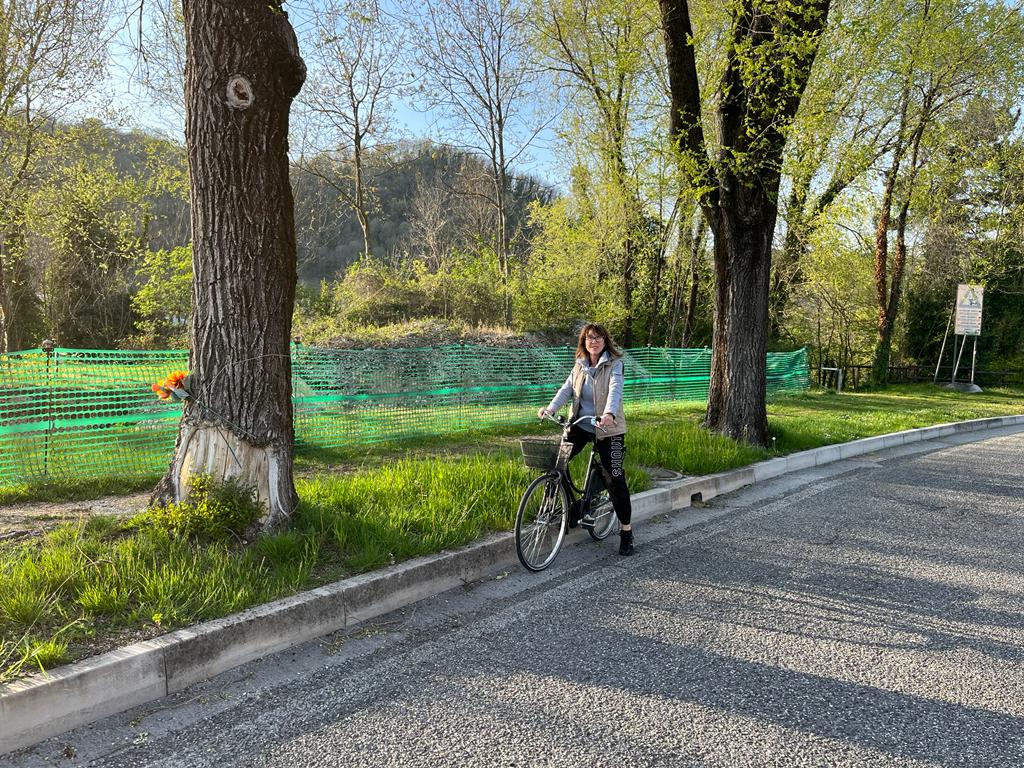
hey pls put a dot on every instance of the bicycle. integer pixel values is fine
(543, 513)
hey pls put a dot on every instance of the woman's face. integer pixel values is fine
(595, 344)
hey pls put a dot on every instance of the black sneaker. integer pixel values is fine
(626, 543)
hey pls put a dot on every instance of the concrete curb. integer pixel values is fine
(35, 709)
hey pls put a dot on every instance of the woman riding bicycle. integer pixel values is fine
(595, 387)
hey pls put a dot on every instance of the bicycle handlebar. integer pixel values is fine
(562, 421)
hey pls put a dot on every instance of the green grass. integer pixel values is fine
(84, 587)
(67, 489)
(823, 418)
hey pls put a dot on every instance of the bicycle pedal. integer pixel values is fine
(587, 521)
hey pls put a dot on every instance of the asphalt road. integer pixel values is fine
(869, 613)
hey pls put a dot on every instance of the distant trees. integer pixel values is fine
(356, 74)
(414, 178)
(596, 51)
(51, 54)
(435, 205)
(89, 232)
(948, 56)
(96, 203)
(473, 59)
(891, 180)
(163, 302)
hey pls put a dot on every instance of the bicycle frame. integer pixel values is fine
(562, 462)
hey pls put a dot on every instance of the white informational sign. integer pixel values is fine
(968, 309)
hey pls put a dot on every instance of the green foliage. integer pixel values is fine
(373, 293)
(766, 77)
(973, 212)
(25, 326)
(833, 305)
(411, 507)
(72, 489)
(287, 548)
(24, 604)
(571, 274)
(212, 511)
(680, 444)
(163, 303)
(328, 233)
(45, 653)
(92, 221)
(464, 289)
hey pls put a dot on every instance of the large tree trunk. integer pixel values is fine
(743, 242)
(242, 71)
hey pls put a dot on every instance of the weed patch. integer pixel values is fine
(212, 511)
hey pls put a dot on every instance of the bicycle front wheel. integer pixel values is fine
(604, 517)
(541, 522)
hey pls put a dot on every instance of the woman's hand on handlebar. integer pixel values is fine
(542, 414)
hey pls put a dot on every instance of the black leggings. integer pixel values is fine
(612, 451)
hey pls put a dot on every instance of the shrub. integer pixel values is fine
(213, 510)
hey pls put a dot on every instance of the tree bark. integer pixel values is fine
(889, 282)
(885, 315)
(242, 71)
(696, 246)
(361, 206)
(794, 244)
(5, 298)
(737, 392)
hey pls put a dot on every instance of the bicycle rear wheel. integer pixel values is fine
(604, 516)
(540, 522)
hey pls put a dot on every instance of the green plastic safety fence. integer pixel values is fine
(77, 414)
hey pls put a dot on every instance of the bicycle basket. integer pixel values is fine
(539, 452)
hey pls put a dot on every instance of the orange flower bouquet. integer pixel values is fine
(173, 387)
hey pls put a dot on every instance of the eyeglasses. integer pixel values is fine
(594, 338)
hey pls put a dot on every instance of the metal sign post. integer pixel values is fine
(967, 310)
(957, 356)
(943, 348)
(974, 358)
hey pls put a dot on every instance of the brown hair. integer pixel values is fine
(609, 345)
